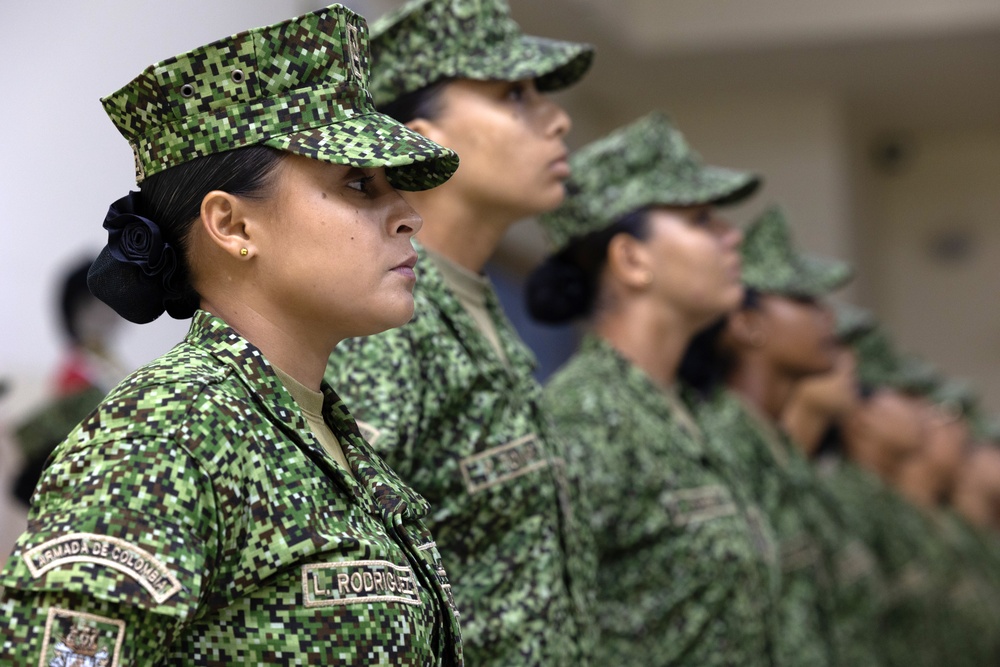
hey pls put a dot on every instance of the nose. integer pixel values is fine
(730, 235)
(403, 220)
(558, 122)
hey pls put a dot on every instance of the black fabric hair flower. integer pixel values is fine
(137, 240)
(138, 273)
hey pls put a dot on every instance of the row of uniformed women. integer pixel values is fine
(223, 506)
(717, 540)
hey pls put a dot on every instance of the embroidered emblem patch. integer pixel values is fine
(81, 640)
(503, 463)
(354, 51)
(350, 582)
(692, 506)
(112, 552)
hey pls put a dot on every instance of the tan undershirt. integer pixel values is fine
(311, 404)
(471, 290)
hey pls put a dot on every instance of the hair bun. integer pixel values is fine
(138, 273)
(558, 291)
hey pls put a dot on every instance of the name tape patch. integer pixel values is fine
(350, 582)
(698, 505)
(137, 563)
(503, 463)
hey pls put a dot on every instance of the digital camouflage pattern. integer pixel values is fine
(299, 85)
(686, 572)
(426, 41)
(466, 431)
(917, 625)
(850, 321)
(194, 519)
(829, 584)
(772, 264)
(643, 164)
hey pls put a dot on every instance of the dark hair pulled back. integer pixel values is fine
(421, 103)
(143, 270)
(564, 287)
(706, 364)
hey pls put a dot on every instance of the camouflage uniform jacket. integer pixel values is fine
(193, 519)
(437, 402)
(911, 558)
(829, 584)
(683, 576)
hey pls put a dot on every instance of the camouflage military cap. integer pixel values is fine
(772, 264)
(916, 376)
(850, 321)
(429, 40)
(299, 86)
(647, 163)
(955, 396)
(878, 361)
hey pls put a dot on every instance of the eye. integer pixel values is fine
(362, 184)
(517, 91)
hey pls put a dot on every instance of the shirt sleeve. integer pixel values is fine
(118, 552)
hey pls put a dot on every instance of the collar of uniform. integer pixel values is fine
(642, 387)
(392, 496)
(768, 431)
(431, 283)
(224, 343)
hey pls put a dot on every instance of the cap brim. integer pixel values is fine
(553, 64)
(711, 185)
(372, 140)
(818, 276)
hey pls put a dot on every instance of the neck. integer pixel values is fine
(805, 425)
(299, 353)
(758, 382)
(652, 340)
(466, 234)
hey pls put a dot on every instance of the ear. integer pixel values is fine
(429, 129)
(223, 217)
(630, 262)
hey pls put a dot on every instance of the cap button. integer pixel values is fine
(187, 90)
(237, 76)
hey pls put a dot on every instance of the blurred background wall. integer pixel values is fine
(876, 124)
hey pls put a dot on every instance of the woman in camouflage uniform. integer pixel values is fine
(682, 574)
(748, 366)
(220, 506)
(450, 399)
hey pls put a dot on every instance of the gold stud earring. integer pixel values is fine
(244, 252)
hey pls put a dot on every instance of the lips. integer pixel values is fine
(405, 268)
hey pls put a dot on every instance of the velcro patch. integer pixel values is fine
(697, 505)
(503, 463)
(83, 640)
(135, 562)
(350, 582)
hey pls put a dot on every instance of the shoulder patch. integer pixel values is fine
(135, 562)
(86, 640)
